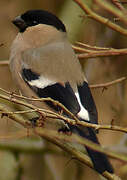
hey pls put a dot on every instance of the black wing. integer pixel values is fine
(61, 93)
(88, 102)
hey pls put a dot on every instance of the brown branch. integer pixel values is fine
(81, 50)
(48, 113)
(19, 112)
(85, 159)
(12, 116)
(118, 4)
(42, 112)
(101, 19)
(105, 85)
(80, 140)
(41, 100)
(104, 53)
(92, 47)
(26, 123)
(89, 51)
(57, 139)
(112, 9)
(4, 63)
(70, 121)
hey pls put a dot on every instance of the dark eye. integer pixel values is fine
(34, 22)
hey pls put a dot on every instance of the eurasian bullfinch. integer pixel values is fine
(44, 64)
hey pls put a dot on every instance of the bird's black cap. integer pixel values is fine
(35, 17)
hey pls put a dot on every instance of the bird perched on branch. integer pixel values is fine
(43, 62)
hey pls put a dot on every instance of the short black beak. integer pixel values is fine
(20, 23)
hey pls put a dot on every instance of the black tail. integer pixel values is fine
(100, 160)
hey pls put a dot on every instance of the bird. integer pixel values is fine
(43, 63)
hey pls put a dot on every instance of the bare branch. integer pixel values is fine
(112, 9)
(74, 138)
(55, 139)
(105, 53)
(50, 114)
(58, 139)
(92, 47)
(105, 85)
(119, 5)
(4, 63)
(88, 51)
(101, 19)
(56, 103)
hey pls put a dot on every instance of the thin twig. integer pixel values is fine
(93, 51)
(44, 112)
(19, 112)
(14, 117)
(47, 134)
(83, 141)
(101, 19)
(81, 50)
(4, 63)
(104, 53)
(54, 138)
(70, 121)
(92, 47)
(65, 146)
(105, 85)
(42, 100)
(50, 114)
(112, 9)
(119, 5)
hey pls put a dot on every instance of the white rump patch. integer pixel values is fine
(83, 112)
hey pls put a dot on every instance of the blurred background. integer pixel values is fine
(111, 103)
